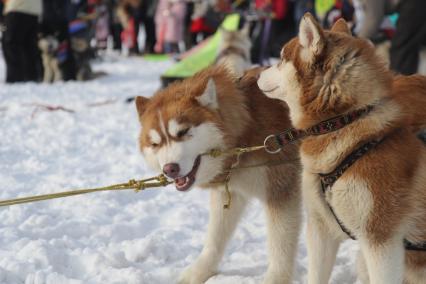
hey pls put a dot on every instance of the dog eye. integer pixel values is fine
(182, 132)
(154, 145)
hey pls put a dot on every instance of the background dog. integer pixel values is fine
(49, 47)
(381, 198)
(234, 50)
(213, 110)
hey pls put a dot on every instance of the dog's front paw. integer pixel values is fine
(195, 274)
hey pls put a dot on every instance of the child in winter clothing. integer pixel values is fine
(128, 35)
(169, 22)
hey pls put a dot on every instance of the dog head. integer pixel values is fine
(182, 122)
(239, 40)
(48, 44)
(325, 73)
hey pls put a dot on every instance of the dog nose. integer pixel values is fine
(171, 170)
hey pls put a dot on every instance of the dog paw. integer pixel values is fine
(195, 275)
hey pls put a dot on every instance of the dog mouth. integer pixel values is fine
(184, 183)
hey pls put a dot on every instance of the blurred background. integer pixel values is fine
(53, 40)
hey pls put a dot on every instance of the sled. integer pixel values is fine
(202, 56)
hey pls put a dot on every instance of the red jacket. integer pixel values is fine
(278, 7)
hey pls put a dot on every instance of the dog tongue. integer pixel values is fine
(180, 181)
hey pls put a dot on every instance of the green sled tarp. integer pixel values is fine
(202, 56)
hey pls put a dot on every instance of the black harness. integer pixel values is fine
(274, 143)
(328, 180)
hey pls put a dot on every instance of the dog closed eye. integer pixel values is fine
(183, 132)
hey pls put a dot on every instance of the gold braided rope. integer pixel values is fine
(215, 153)
(138, 185)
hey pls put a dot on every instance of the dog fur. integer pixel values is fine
(48, 46)
(215, 110)
(381, 198)
(234, 50)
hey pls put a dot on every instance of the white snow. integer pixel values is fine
(114, 237)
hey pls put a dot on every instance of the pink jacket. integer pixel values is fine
(169, 20)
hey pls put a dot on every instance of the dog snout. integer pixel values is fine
(171, 170)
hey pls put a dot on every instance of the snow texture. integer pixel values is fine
(114, 237)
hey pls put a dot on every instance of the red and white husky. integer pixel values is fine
(213, 110)
(381, 197)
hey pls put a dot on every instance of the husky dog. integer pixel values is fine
(380, 199)
(234, 50)
(214, 110)
(49, 46)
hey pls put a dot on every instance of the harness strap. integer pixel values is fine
(328, 180)
(338, 122)
(327, 126)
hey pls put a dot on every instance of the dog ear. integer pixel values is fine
(226, 35)
(209, 97)
(245, 31)
(141, 103)
(341, 27)
(311, 38)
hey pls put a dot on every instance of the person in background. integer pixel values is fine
(169, 25)
(199, 27)
(102, 24)
(272, 21)
(342, 9)
(115, 27)
(19, 41)
(134, 12)
(54, 23)
(301, 7)
(125, 13)
(147, 14)
(410, 34)
(1, 12)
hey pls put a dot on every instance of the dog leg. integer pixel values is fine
(283, 223)
(221, 226)
(57, 76)
(385, 262)
(322, 249)
(46, 66)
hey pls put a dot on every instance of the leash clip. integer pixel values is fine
(267, 144)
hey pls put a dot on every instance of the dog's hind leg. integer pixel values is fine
(385, 261)
(283, 223)
(221, 226)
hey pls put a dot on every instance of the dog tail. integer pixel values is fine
(410, 93)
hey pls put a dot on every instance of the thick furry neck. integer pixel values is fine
(327, 151)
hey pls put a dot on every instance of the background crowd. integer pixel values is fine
(62, 36)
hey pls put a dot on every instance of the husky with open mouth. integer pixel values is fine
(214, 110)
(364, 170)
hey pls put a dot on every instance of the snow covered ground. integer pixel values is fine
(115, 237)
